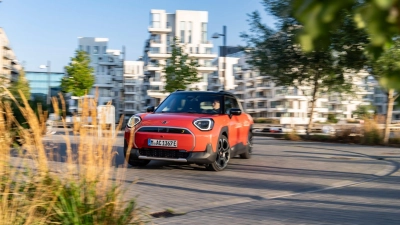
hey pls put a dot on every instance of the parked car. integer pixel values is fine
(196, 127)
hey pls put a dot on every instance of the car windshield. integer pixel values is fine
(191, 103)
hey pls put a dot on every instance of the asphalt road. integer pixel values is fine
(283, 183)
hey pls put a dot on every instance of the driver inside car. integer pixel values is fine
(216, 105)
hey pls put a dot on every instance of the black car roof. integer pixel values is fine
(205, 92)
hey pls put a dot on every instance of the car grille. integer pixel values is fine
(171, 130)
(163, 153)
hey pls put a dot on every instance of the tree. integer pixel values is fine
(180, 70)
(388, 65)
(22, 84)
(364, 111)
(379, 19)
(277, 54)
(79, 75)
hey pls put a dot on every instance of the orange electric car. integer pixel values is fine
(196, 127)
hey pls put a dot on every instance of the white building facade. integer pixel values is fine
(133, 88)
(9, 65)
(108, 70)
(260, 97)
(191, 28)
(218, 79)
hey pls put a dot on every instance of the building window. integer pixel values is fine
(203, 32)
(205, 77)
(169, 39)
(157, 76)
(104, 49)
(96, 50)
(155, 22)
(154, 50)
(156, 38)
(189, 32)
(208, 50)
(208, 63)
(182, 26)
(80, 47)
(88, 49)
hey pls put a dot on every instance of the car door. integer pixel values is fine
(234, 122)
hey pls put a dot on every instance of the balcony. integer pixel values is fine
(7, 56)
(130, 91)
(216, 85)
(130, 100)
(14, 69)
(158, 55)
(7, 66)
(321, 109)
(6, 76)
(157, 28)
(155, 41)
(250, 88)
(157, 93)
(207, 68)
(102, 82)
(117, 78)
(262, 97)
(204, 55)
(152, 67)
(264, 86)
(112, 62)
(130, 82)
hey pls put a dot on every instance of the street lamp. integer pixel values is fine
(48, 66)
(217, 35)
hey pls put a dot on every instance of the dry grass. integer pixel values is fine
(372, 135)
(292, 136)
(85, 189)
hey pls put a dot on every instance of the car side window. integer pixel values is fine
(235, 104)
(230, 103)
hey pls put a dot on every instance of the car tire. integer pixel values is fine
(223, 155)
(249, 147)
(134, 162)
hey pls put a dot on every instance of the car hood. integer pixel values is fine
(171, 119)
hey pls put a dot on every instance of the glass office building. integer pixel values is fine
(39, 84)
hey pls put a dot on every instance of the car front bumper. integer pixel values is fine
(205, 157)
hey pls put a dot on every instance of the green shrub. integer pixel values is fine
(332, 118)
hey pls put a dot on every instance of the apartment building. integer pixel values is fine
(379, 100)
(216, 80)
(191, 28)
(133, 88)
(9, 65)
(108, 69)
(260, 97)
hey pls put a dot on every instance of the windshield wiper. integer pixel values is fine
(191, 111)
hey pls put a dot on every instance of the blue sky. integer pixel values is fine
(42, 30)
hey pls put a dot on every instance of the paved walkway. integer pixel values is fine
(284, 183)
(373, 196)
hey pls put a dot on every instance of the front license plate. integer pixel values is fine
(163, 143)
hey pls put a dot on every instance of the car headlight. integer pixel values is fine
(133, 121)
(204, 124)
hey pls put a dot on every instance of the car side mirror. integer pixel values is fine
(235, 112)
(150, 109)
